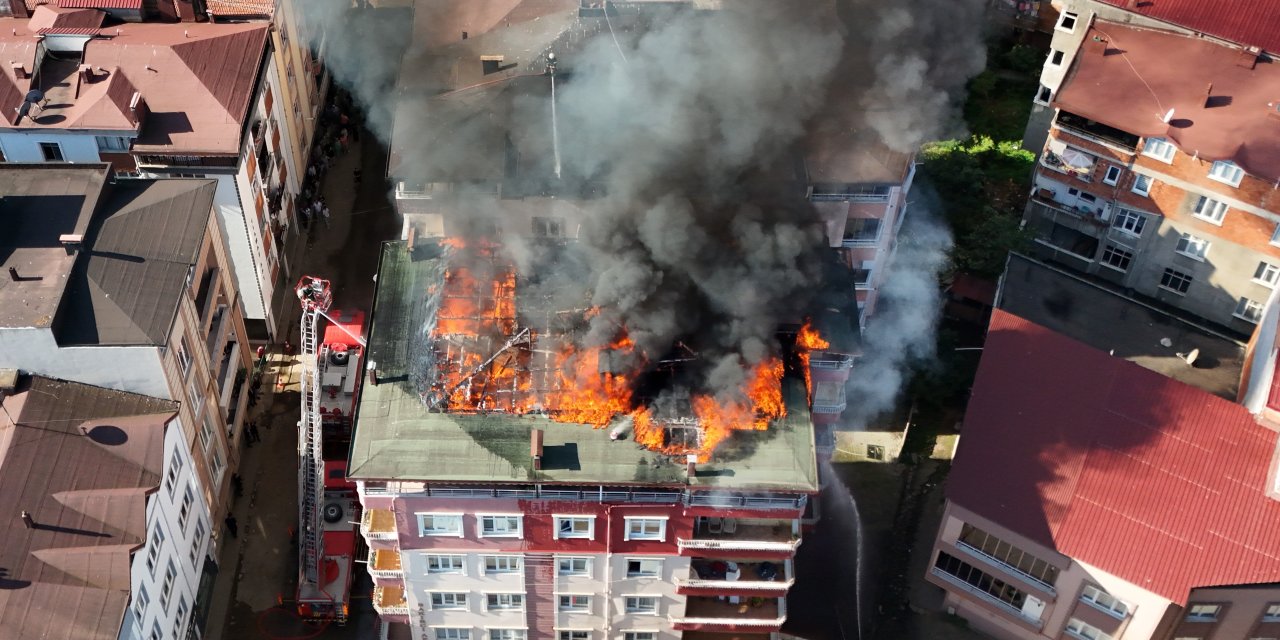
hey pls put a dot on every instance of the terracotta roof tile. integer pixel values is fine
(100, 4)
(240, 7)
(1114, 465)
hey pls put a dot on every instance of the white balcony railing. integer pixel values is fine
(390, 601)
(736, 622)
(752, 585)
(739, 545)
(1015, 611)
(382, 564)
(378, 524)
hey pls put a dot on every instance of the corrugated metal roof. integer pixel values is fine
(68, 31)
(100, 4)
(241, 7)
(1116, 466)
(1253, 23)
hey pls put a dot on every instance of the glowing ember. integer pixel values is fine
(807, 341)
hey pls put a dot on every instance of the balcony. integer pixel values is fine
(385, 563)
(831, 361)
(389, 601)
(732, 613)
(828, 397)
(736, 578)
(1097, 132)
(725, 537)
(378, 524)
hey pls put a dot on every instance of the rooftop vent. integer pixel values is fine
(71, 242)
(20, 71)
(1249, 57)
(491, 64)
(135, 101)
(535, 448)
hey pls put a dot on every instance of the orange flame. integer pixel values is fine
(807, 340)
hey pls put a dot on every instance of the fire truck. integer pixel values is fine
(327, 505)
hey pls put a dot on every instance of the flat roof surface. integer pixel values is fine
(1253, 23)
(1130, 78)
(39, 203)
(1106, 320)
(1116, 466)
(396, 438)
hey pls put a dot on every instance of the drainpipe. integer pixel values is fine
(608, 572)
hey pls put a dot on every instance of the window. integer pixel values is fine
(1105, 601)
(196, 395)
(574, 566)
(206, 434)
(506, 634)
(156, 632)
(153, 548)
(1112, 176)
(180, 616)
(500, 526)
(171, 475)
(1160, 149)
(448, 601)
(548, 227)
(1275, 236)
(166, 589)
(646, 529)
(575, 527)
(1248, 310)
(52, 151)
(646, 567)
(640, 635)
(1192, 247)
(445, 564)
(641, 604)
(216, 465)
(1175, 281)
(1141, 184)
(1044, 94)
(1055, 57)
(112, 143)
(440, 524)
(1020, 561)
(1271, 613)
(575, 603)
(1226, 172)
(502, 564)
(1203, 612)
(575, 635)
(1114, 256)
(453, 633)
(1129, 221)
(985, 584)
(197, 542)
(1210, 210)
(504, 601)
(184, 511)
(1067, 21)
(1077, 628)
(1266, 274)
(183, 354)
(141, 602)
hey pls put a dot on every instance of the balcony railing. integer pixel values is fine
(1097, 132)
(378, 524)
(390, 601)
(734, 534)
(736, 612)
(738, 576)
(698, 499)
(831, 361)
(952, 580)
(385, 563)
(974, 551)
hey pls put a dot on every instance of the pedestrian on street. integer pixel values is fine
(324, 211)
(253, 432)
(232, 526)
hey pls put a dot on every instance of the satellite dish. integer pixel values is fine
(1190, 356)
(34, 95)
(1167, 117)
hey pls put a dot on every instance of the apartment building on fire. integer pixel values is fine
(156, 94)
(1134, 499)
(1160, 169)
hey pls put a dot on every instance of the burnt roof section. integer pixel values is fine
(81, 460)
(196, 81)
(1225, 102)
(39, 203)
(138, 253)
(1255, 23)
(1116, 466)
(1106, 320)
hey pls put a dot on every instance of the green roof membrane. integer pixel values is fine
(396, 438)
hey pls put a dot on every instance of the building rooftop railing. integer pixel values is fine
(690, 498)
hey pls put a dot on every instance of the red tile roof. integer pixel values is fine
(1142, 74)
(100, 4)
(1252, 23)
(47, 19)
(1116, 466)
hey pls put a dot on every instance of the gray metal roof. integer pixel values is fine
(396, 438)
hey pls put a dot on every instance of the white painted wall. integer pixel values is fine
(24, 146)
(244, 242)
(135, 369)
(185, 546)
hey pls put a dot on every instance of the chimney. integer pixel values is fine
(13, 274)
(372, 370)
(413, 234)
(20, 71)
(71, 242)
(535, 448)
(28, 520)
(691, 464)
(464, 35)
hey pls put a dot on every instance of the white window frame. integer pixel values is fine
(180, 615)
(1142, 184)
(449, 601)
(140, 602)
(153, 548)
(1243, 307)
(631, 604)
(644, 522)
(1077, 628)
(573, 634)
(184, 510)
(1130, 222)
(591, 527)
(511, 599)
(506, 634)
(451, 633)
(1275, 237)
(1106, 176)
(577, 602)
(156, 632)
(453, 532)
(1193, 247)
(1160, 149)
(640, 635)
(485, 520)
(56, 147)
(1226, 172)
(1104, 602)
(515, 564)
(197, 541)
(1114, 250)
(1207, 612)
(197, 397)
(1266, 274)
(1057, 57)
(1210, 210)
(641, 572)
(166, 588)
(560, 566)
(458, 567)
(1062, 22)
(171, 474)
(183, 355)
(1272, 612)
